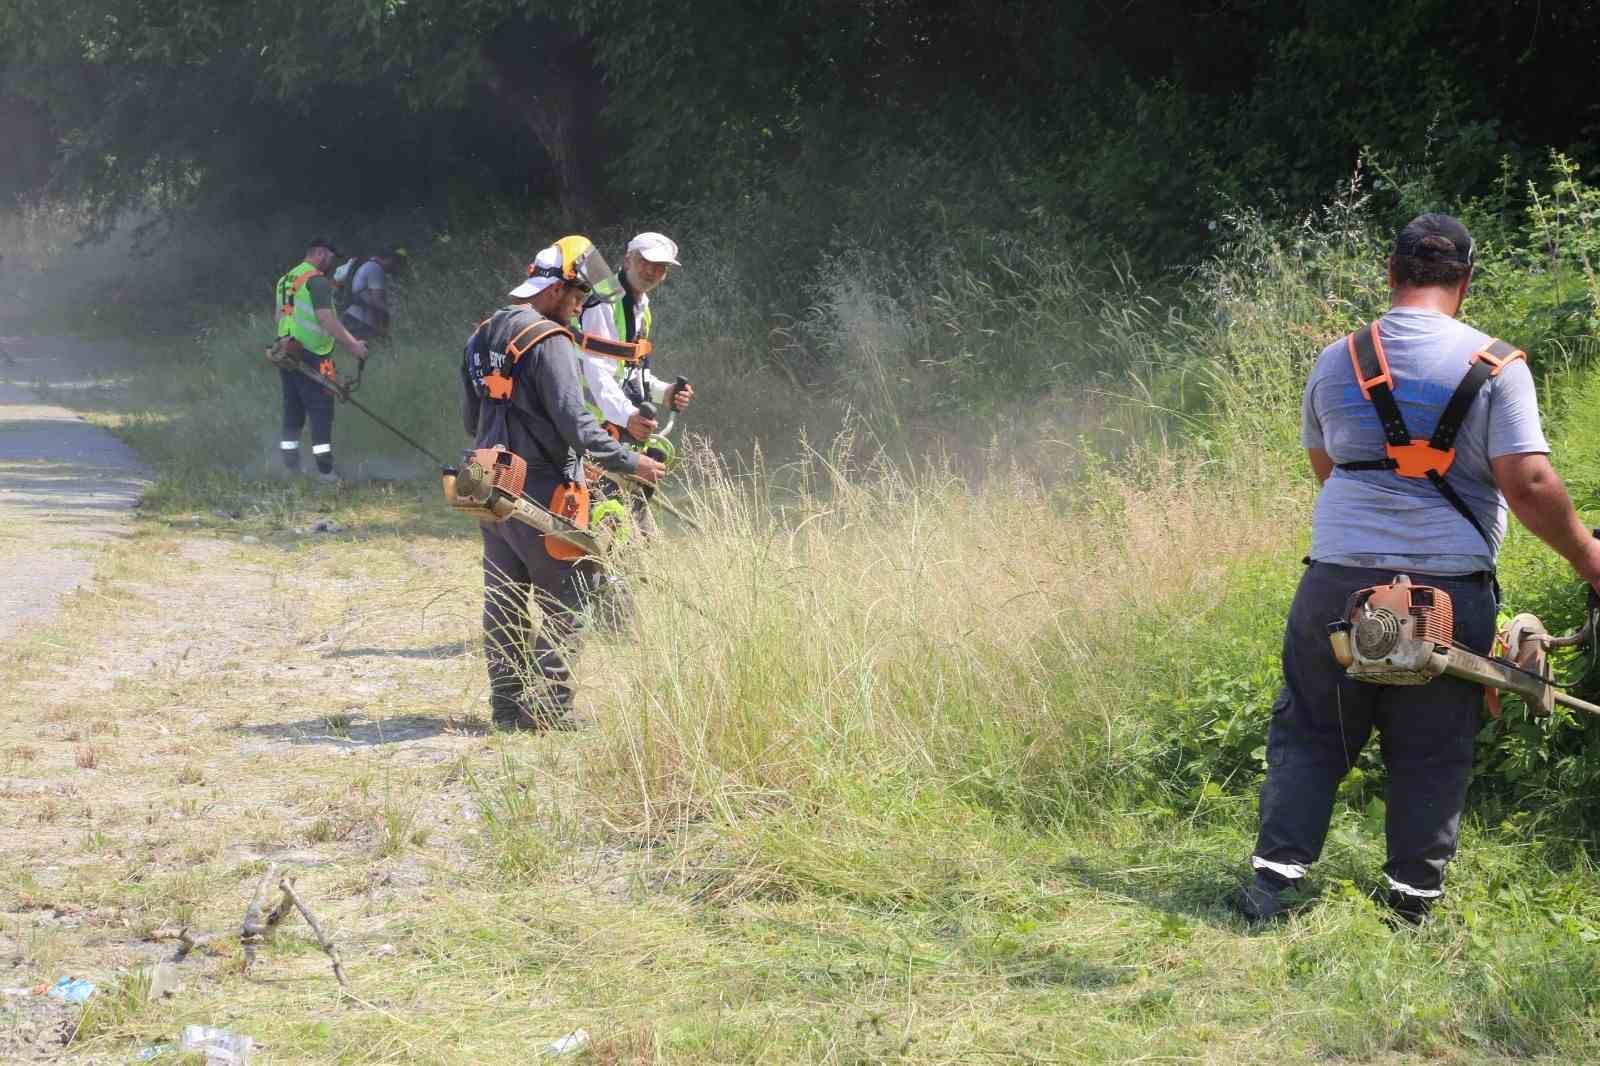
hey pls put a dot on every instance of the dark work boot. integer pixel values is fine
(507, 709)
(1409, 909)
(518, 715)
(554, 715)
(1265, 898)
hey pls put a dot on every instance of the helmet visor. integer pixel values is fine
(593, 272)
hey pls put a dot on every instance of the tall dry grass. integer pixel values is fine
(897, 628)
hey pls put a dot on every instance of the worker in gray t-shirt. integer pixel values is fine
(1372, 518)
(367, 281)
(1422, 431)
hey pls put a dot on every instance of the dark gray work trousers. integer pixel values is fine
(1322, 719)
(303, 400)
(527, 663)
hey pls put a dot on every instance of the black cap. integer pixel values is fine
(1413, 240)
(323, 242)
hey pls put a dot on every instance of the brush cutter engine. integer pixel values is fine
(1404, 634)
(1392, 633)
(489, 485)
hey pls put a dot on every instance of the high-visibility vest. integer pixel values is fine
(623, 322)
(297, 318)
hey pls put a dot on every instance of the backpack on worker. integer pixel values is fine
(344, 283)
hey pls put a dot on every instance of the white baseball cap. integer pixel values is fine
(548, 259)
(655, 247)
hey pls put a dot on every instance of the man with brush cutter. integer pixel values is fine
(1394, 501)
(619, 386)
(523, 394)
(307, 331)
(616, 338)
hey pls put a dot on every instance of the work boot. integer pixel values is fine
(1408, 909)
(329, 478)
(1265, 898)
(531, 722)
(516, 715)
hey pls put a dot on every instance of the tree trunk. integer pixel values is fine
(553, 96)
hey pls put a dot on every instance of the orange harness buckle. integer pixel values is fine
(1419, 459)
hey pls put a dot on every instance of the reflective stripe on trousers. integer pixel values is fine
(1420, 893)
(1289, 871)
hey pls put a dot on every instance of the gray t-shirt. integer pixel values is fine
(369, 276)
(1375, 518)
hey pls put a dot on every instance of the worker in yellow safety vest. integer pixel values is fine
(617, 388)
(309, 329)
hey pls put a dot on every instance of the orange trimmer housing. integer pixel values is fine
(508, 471)
(1430, 610)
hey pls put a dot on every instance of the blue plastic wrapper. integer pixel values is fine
(72, 990)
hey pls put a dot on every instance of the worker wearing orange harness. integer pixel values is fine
(308, 330)
(522, 391)
(1421, 430)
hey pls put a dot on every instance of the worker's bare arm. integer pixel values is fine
(1538, 498)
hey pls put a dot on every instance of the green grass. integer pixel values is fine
(898, 765)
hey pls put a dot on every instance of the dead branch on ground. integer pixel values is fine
(253, 931)
(287, 884)
(258, 928)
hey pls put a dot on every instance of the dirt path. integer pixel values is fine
(206, 702)
(66, 487)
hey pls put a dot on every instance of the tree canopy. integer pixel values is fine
(1135, 119)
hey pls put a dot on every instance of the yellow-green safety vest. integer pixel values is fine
(619, 316)
(297, 318)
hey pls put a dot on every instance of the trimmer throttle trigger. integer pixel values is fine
(648, 410)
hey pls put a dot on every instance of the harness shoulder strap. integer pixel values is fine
(541, 330)
(1461, 401)
(295, 287)
(1497, 353)
(1377, 384)
(516, 348)
(1486, 363)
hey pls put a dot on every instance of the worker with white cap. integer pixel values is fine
(617, 388)
(521, 392)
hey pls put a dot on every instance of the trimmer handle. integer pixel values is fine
(672, 410)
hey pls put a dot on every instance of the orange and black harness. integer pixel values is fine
(325, 366)
(494, 377)
(1433, 458)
